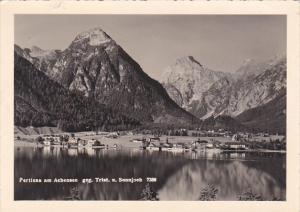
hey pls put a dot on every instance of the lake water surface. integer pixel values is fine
(179, 176)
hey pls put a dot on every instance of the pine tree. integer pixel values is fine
(209, 193)
(148, 193)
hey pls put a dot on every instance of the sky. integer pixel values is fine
(219, 42)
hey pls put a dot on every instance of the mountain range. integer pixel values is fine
(206, 93)
(95, 67)
(94, 83)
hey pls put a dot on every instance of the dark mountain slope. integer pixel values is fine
(40, 101)
(222, 122)
(270, 117)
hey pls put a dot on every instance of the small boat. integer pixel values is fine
(153, 148)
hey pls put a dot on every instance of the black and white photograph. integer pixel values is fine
(162, 107)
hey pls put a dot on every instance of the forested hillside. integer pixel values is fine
(40, 101)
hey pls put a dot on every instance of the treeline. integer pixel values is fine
(222, 122)
(40, 101)
(210, 193)
(159, 129)
(270, 117)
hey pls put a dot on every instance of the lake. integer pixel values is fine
(172, 176)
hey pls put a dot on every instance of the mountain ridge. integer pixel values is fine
(252, 85)
(97, 67)
(187, 79)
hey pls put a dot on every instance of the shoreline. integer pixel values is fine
(33, 144)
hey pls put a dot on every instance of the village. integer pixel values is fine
(181, 141)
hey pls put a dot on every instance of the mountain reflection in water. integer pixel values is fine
(231, 179)
(179, 176)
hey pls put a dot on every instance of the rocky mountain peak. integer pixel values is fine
(95, 37)
(36, 49)
(41, 54)
(251, 67)
(187, 59)
(188, 63)
(187, 79)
